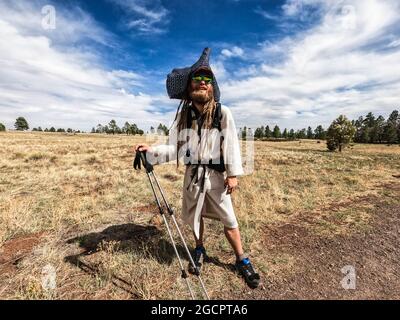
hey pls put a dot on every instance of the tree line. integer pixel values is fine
(113, 128)
(130, 129)
(161, 130)
(52, 129)
(21, 124)
(368, 129)
(373, 129)
(265, 133)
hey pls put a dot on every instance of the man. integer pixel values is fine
(204, 135)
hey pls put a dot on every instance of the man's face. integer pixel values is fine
(201, 89)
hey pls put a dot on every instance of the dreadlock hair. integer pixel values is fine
(185, 105)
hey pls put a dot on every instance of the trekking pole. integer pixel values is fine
(183, 271)
(150, 173)
(171, 213)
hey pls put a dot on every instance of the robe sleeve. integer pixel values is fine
(165, 152)
(230, 145)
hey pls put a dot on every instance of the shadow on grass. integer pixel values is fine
(215, 261)
(147, 241)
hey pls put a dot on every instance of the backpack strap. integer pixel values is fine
(217, 117)
(189, 117)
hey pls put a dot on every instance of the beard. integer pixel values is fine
(201, 96)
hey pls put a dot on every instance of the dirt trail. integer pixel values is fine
(317, 274)
(14, 250)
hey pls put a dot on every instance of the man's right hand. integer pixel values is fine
(141, 158)
(143, 147)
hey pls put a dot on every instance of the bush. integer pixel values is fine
(331, 145)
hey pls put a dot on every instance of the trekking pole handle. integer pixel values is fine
(146, 164)
(141, 158)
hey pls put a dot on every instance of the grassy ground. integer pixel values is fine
(74, 202)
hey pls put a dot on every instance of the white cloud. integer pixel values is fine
(72, 26)
(51, 84)
(146, 17)
(234, 52)
(291, 7)
(301, 8)
(219, 70)
(266, 14)
(394, 44)
(340, 65)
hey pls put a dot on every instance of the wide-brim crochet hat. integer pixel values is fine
(178, 79)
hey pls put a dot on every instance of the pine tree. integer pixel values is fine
(310, 134)
(99, 128)
(390, 134)
(112, 125)
(262, 132)
(340, 133)
(320, 133)
(258, 133)
(162, 129)
(285, 134)
(368, 126)
(244, 133)
(292, 134)
(358, 137)
(21, 124)
(2, 127)
(277, 132)
(369, 120)
(268, 133)
(301, 134)
(126, 128)
(134, 129)
(378, 130)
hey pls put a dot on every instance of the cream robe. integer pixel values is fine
(208, 198)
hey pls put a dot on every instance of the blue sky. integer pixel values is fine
(293, 63)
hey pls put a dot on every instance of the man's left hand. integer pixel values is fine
(231, 183)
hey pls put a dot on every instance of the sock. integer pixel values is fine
(201, 248)
(241, 257)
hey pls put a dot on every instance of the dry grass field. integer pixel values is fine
(74, 202)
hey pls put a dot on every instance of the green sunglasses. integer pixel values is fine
(206, 79)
